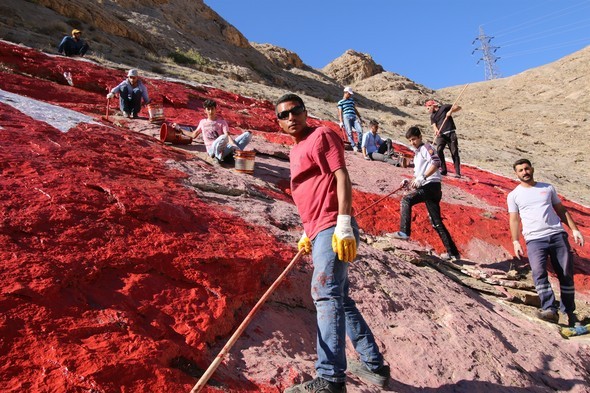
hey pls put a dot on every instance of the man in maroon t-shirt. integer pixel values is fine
(322, 192)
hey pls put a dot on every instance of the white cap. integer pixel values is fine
(348, 90)
(133, 72)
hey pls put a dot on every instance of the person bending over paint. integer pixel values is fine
(350, 118)
(131, 91)
(445, 133)
(539, 209)
(375, 148)
(218, 141)
(73, 45)
(322, 192)
(427, 189)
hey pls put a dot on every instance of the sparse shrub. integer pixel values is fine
(76, 24)
(52, 29)
(190, 57)
(129, 51)
(157, 69)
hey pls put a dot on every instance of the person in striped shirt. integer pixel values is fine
(350, 118)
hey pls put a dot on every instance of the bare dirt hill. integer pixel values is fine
(541, 114)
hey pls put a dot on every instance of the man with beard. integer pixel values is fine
(539, 209)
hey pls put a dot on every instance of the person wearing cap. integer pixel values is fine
(131, 91)
(73, 45)
(350, 118)
(445, 133)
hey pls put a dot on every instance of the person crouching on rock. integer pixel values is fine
(131, 91)
(219, 142)
(73, 45)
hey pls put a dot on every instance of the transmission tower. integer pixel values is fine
(488, 56)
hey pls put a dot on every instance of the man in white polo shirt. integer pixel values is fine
(541, 212)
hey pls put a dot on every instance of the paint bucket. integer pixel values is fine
(176, 137)
(404, 161)
(156, 112)
(244, 161)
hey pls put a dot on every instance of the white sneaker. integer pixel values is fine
(400, 235)
(355, 149)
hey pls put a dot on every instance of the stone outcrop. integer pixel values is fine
(281, 57)
(352, 67)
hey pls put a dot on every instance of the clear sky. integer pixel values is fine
(429, 42)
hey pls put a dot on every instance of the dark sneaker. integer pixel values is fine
(378, 377)
(572, 320)
(443, 173)
(457, 175)
(400, 235)
(548, 315)
(318, 385)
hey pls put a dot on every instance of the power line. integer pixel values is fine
(536, 36)
(539, 19)
(550, 47)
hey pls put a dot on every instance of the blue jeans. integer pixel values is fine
(337, 315)
(130, 100)
(558, 249)
(351, 123)
(221, 149)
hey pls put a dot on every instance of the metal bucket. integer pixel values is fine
(175, 137)
(245, 161)
(156, 112)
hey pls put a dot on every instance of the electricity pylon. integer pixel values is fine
(488, 56)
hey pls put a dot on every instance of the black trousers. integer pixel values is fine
(430, 194)
(441, 141)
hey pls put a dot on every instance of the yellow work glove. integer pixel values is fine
(304, 243)
(343, 241)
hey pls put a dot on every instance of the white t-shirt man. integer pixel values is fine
(534, 205)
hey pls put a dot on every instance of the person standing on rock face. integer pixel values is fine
(131, 91)
(322, 192)
(73, 45)
(218, 140)
(445, 133)
(427, 189)
(539, 209)
(350, 118)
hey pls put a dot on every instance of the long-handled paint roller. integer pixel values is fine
(454, 103)
(403, 185)
(232, 340)
(211, 369)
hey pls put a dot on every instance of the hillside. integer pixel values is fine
(187, 40)
(127, 262)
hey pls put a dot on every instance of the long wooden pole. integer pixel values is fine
(446, 117)
(379, 200)
(211, 369)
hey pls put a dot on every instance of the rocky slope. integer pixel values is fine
(126, 263)
(540, 113)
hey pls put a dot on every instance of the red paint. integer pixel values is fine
(113, 269)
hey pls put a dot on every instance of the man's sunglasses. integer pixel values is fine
(296, 110)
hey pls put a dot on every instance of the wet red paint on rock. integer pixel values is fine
(116, 276)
